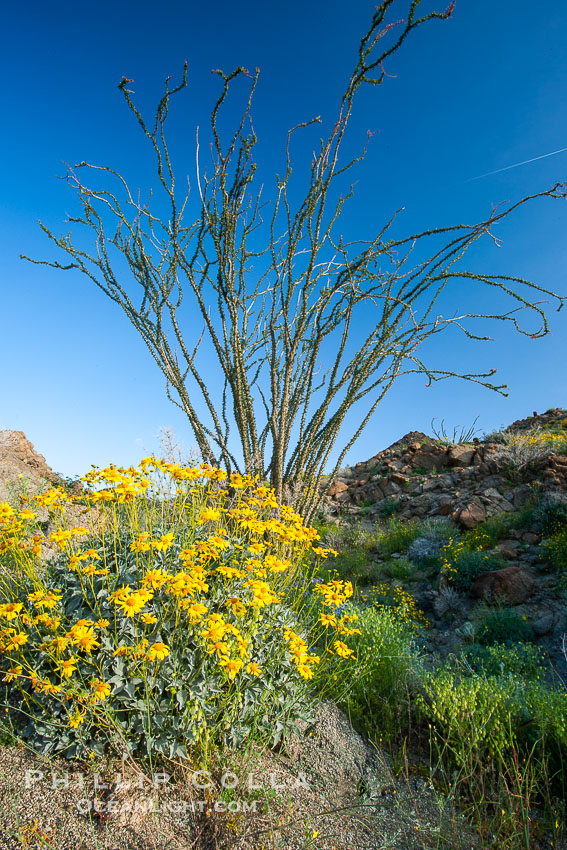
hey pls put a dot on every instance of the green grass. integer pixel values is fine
(398, 535)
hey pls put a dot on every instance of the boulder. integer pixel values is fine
(511, 583)
(461, 455)
(544, 624)
(491, 496)
(507, 549)
(429, 457)
(337, 487)
(471, 514)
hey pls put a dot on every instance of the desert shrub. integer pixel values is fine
(503, 626)
(501, 738)
(396, 600)
(487, 534)
(522, 660)
(484, 727)
(550, 515)
(159, 638)
(461, 565)
(520, 450)
(397, 536)
(495, 437)
(460, 434)
(400, 568)
(388, 507)
(554, 550)
(354, 548)
(387, 666)
(447, 602)
(425, 549)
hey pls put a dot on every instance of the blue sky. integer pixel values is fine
(478, 93)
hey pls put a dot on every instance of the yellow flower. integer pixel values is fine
(163, 543)
(157, 651)
(215, 631)
(342, 649)
(133, 603)
(328, 620)
(263, 594)
(121, 593)
(47, 620)
(84, 638)
(101, 690)
(305, 671)
(13, 672)
(11, 610)
(49, 599)
(236, 606)
(195, 610)
(155, 578)
(141, 543)
(209, 515)
(16, 641)
(253, 669)
(229, 572)
(59, 537)
(5, 510)
(231, 665)
(76, 718)
(102, 623)
(58, 644)
(220, 647)
(323, 553)
(68, 667)
(148, 619)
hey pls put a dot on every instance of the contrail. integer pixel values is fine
(516, 165)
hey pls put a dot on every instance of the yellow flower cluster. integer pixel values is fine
(299, 652)
(555, 441)
(214, 578)
(449, 555)
(16, 533)
(395, 598)
(334, 594)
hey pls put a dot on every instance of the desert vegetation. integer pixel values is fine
(171, 614)
(203, 618)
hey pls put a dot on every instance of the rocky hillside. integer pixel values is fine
(20, 461)
(420, 477)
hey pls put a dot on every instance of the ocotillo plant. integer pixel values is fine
(293, 355)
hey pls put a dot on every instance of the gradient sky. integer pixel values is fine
(473, 95)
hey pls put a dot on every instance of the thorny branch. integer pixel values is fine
(272, 311)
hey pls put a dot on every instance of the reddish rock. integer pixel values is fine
(432, 457)
(398, 478)
(461, 455)
(507, 549)
(470, 515)
(530, 538)
(511, 583)
(337, 487)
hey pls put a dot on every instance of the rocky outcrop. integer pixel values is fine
(466, 482)
(19, 461)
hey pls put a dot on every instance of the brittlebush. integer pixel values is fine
(166, 608)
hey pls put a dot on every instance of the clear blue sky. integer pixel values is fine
(478, 93)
